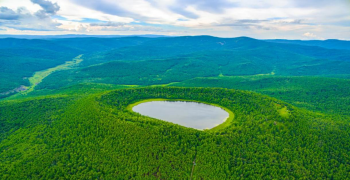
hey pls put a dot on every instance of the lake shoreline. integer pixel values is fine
(223, 125)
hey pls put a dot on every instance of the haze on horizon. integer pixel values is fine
(265, 19)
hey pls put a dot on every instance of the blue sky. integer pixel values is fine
(262, 19)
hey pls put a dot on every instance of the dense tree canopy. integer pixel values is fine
(290, 101)
(95, 136)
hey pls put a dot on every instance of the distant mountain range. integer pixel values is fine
(75, 36)
(152, 59)
(330, 43)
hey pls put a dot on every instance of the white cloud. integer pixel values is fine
(15, 4)
(262, 19)
(75, 12)
(23, 19)
(309, 35)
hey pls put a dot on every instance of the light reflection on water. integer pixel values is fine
(189, 114)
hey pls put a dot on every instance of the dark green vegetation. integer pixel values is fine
(291, 122)
(21, 58)
(327, 95)
(330, 44)
(163, 61)
(96, 137)
(17, 65)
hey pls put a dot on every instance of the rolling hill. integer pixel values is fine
(94, 136)
(290, 101)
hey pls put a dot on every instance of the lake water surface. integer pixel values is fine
(185, 113)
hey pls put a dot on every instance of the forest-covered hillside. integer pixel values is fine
(97, 137)
(64, 115)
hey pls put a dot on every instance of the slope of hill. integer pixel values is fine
(185, 58)
(100, 44)
(160, 48)
(326, 95)
(329, 44)
(95, 136)
(12, 43)
(263, 60)
(75, 123)
(17, 65)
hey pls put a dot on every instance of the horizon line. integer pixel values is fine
(155, 36)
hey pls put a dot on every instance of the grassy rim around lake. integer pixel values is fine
(223, 125)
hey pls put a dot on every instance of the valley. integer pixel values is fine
(40, 75)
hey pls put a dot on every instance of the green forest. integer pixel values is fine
(97, 137)
(64, 108)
